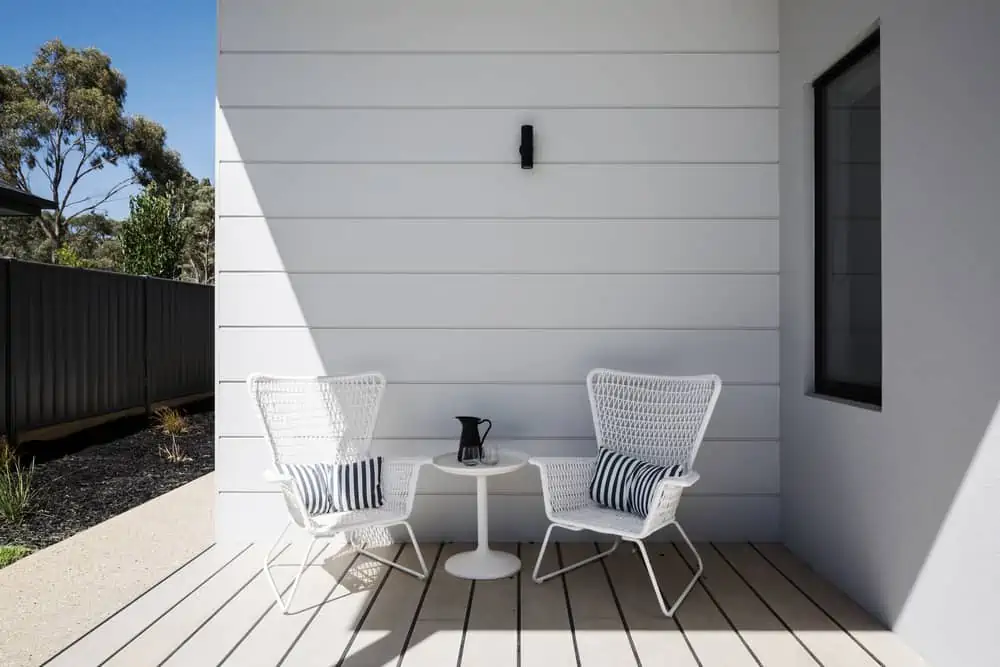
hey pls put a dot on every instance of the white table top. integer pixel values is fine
(510, 460)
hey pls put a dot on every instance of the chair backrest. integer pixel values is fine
(318, 419)
(655, 418)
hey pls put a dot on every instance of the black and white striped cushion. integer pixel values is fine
(357, 486)
(312, 481)
(625, 483)
(326, 487)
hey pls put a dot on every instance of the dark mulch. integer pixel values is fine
(89, 477)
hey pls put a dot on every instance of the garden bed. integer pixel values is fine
(92, 476)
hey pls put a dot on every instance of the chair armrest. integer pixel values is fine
(684, 481)
(275, 477)
(398, 473)
(559, 461)
(415, 461)
(399, 481)
(666, 498)
(565, 481)
(293, 501)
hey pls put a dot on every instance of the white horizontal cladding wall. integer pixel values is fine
(499, 301)
(490, 25)
(373, 215)
(609, 191)
(454, 356)
(484, 135)
(502, 246)
(510, 80)
(517, 410)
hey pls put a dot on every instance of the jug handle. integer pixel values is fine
(483, 437)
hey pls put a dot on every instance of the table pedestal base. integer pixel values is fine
(483, 564)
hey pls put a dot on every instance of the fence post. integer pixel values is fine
(8, 407)
(145, 348)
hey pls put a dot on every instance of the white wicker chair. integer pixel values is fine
(331, 420)
(657, 419)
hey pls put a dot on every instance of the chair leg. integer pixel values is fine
(285, 604)
(585, 561)
(298, 575)
(416, 547)
(669, 612)
(267, 563)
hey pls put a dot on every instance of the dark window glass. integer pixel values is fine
(849, 227)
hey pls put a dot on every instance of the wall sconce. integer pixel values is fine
(527, 147)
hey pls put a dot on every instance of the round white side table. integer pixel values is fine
(483, 563)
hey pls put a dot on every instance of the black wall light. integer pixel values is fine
(527, 147)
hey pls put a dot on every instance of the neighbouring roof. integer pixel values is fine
(14, 201)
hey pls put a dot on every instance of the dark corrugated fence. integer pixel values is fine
(82, 343)
(180, 338)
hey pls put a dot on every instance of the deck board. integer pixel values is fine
(886, 646)
(380, 639)
(546, 640)
(600, 632)
(275, 633)
(765, 634)
(657, 639)
(756, 605)
(831, 645)
(157, 642)
(714, 640)
(213, 641)
(491, 635)
(436, 638)
(331, 630)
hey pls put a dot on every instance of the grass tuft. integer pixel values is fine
(12, 552)
(17, 488)
(172, 423)
(8, 455)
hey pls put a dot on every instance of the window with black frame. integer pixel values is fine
(848, 232)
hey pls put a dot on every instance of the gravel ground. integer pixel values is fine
(90, 477)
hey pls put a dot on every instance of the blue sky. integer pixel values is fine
(166, 50)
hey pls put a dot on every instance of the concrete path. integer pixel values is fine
(55, 595)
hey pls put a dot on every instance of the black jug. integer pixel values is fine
(470, 444)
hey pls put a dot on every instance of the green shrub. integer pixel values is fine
(66, 256)
(152, 239)
(12, 552)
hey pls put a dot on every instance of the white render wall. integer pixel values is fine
(373, 215)
(900, 507)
